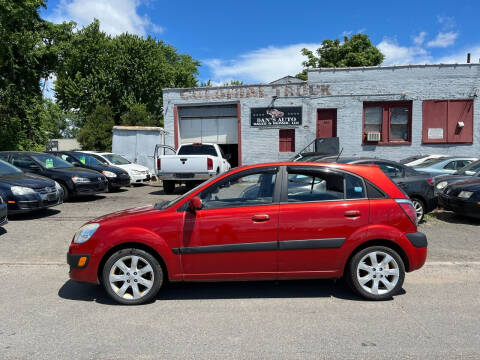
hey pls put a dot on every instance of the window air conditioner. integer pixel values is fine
(373, 136)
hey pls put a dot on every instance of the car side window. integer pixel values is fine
(452, 165)
(241, 190)
(22, 161)
(354, 187)
(461, 163)
(391, 170)
(4, 157)
(316, 185)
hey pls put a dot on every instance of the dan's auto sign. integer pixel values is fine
(276, 116)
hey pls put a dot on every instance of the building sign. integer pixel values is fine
(276, 116)
(435, 133)
(258, 92)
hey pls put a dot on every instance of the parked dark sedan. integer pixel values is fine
(462, 197)
(3, 212)
(116, 177)
(468, 172)
(27, 192)
(75, 181)
(418, 186)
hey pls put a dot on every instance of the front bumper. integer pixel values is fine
(91, 188)
(77, 261)
(140, 178)
(120, 180)
(27, 203)
(460, 206)
(3, 214)
(186, 176)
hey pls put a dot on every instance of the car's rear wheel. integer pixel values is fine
(376, 273)
(419, 207)
(132, 276)
(168, 186)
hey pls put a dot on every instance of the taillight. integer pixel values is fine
(159, 163)
(408, 209)
(430, 181)
(209, 164)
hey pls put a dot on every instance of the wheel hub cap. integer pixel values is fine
(131, 277)
(378, 273)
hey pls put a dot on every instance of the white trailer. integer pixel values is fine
(137, 143)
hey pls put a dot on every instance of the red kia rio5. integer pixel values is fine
(259, 222)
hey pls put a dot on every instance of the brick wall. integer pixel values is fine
(347, 90)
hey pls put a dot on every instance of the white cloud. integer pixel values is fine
(396, 54)
(443, 40)
(116, 16)
(420, 38)
(261, 65)
(447, 22)
(460, 56)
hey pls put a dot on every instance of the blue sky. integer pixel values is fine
(260, 41)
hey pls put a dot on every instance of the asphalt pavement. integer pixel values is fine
(44, 315)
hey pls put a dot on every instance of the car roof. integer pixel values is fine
(22, 152)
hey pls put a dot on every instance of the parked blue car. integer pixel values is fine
(444, 166)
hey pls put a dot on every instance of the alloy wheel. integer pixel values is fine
(378, 273)
(131, 277)
(418, 206)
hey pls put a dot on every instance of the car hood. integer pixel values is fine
(27, 180)
(451, 178)
(124, 214)
(78, 171)
(130, 167)
(470, 185)
(110, 168)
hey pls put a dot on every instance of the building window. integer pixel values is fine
(287, 140)
(447, 122)
(387, 122)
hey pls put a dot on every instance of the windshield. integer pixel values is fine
(470, 169)
(51, 162)
(197, 150)
(164, 205)
(87, 159)
(429, 162)
(116, 159)
(7, 169)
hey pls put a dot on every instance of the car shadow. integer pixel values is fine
(118, 190)
(2, 231)
(453, 218)
(224, 290)
(34, 215)
(86, 198)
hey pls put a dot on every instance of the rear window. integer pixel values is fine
(197, 150)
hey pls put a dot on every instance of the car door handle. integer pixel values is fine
(260, 218)
(351, 213)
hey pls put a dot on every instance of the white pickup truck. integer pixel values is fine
(192, 163)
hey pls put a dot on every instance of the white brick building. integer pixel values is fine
(407, 110)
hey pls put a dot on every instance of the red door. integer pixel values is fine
(326, 123)
(234, 235)
(316, 220)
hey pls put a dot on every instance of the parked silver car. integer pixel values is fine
(444, 166)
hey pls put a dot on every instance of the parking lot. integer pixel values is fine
(45, 315)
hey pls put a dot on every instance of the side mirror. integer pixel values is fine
(34, 167)
(195, 204)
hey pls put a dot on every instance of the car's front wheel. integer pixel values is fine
(132, 276)
(376, 273)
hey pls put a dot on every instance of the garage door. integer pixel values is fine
(209, 130)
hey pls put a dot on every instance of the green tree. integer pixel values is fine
(96, 133)
(137, 115)
(29, 48)
(354, 51)
(98, 69)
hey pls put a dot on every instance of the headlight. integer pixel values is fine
(465, 194)
(79, 180)
(442, 184)
(20, 190)
(109, 174)
(85, 233)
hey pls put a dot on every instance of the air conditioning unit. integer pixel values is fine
(373, 136)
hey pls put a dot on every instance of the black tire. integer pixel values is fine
(66, 193)
(145, 258)
(419, 206)
(168, 186)
(354, 283)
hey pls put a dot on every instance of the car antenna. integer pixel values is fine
(340, 153)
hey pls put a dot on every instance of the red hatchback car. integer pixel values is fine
(259, 222)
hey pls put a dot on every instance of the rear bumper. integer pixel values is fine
(417, 252)
(185, 176)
